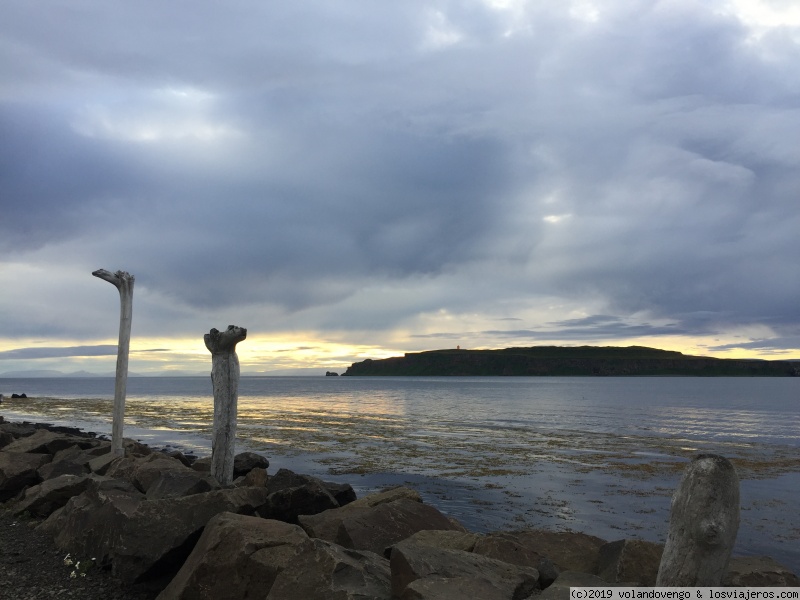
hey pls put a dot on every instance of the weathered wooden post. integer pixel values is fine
(225, 381)
(703, 524)
(123, 281)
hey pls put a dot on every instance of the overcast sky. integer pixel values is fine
(358, 179)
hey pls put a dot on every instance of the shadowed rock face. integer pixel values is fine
(17, 470)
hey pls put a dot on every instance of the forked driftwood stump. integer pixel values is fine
(225, 381)
(123, 281)
(703, 524)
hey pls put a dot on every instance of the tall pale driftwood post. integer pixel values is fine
(225, 381)
(703, 525)
(123, 281)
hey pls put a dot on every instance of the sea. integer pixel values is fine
(599, 455)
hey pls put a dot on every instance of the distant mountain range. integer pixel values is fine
(569, 361)
(35, 373)
(30, 374)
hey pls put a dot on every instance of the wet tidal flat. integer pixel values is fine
(555, 461)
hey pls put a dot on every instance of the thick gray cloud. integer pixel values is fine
(59, 352)
(356, 166)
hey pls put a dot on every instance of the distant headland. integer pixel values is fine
(610, 361)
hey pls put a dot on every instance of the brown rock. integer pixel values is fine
(413, 560)
(244, 462)
(247, 557)
(17, 470)
(447, 539)
(44, 441)
(142, 539)
(174, 483)
(299, 496)
(759, 571)
(375, 528)
(568, 551)
(255, 478)
(630, 561)
(202, 464)
(453, 588)
(153, 467)
(513, 549)
(42, 499)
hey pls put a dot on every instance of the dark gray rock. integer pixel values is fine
(19, 470)
(343, 492)
(246, 461)
(174, 483)
(291, 496)
(6, 438)
(44, 498)
(69, 461)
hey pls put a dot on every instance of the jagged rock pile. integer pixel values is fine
(160, 520)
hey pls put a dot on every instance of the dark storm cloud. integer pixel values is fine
(277, 159)
(590, 328)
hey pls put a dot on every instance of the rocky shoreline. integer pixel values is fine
(78, 522)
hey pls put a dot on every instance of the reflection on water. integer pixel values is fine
(598, 455)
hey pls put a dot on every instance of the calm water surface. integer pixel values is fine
(600, 455)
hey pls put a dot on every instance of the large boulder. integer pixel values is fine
(47, 442)
(634, 562)
(244, 462)
(202, 464)
(6, 438)
(343, 492)
(362, 526)
(18, 470)
(448, 539)
(420, 570)
(142, 539)
(42, 499)
(292, 495)
(254, 478)
(246, 557)
(759, 571)
(174, 483)
(568, 551)
(153, 467)
(284, 478)
(517, 550)
(72, 460)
